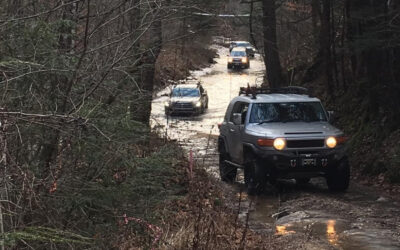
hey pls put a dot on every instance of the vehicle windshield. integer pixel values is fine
(191, 92)
(238, 53)
(287, 112)
(243, 44)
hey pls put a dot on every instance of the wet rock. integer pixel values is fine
(357, 225)
(382, 199)
(293, 217)
(280, 214)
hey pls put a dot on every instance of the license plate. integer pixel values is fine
(309, 162)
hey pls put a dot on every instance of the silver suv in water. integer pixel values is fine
(187, 98)
(281, 134)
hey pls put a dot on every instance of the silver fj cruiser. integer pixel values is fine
(281, 134)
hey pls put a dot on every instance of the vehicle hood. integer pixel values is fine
(185, 99)
(294, 129)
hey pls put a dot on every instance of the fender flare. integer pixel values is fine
(249, 148)
(222, 143)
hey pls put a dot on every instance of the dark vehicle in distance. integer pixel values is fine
(187, 98)
(281, 134)
(238, 58)
(250, 50)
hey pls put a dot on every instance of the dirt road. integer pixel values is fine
(308, 215)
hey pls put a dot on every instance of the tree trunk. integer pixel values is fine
(134, 28)
(251, 30)
(315, 17)
(271, 54)
(148, 62)
(325, 43)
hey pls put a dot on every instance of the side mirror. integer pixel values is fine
(237, 118)
(331, 116)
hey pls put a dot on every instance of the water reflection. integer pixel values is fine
(242, 195)
(283, 230)
(331, 232)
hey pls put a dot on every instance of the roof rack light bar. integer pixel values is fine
(254, 91)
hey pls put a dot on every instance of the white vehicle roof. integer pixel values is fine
(276, 98)
(240, 42)
(188, 86)
(239, 49)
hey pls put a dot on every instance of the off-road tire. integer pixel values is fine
(302, 181)
(254, 175)
(229, 66)
(227, 172)
(338, 178)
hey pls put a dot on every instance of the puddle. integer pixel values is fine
(369, 240)
(339, 233)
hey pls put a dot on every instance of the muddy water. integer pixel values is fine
(359, 219)
(198, 133)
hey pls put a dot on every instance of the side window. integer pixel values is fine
(239, 107)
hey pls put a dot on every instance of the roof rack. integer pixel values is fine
(254, 91)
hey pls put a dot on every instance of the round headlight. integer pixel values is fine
(244, 60)
(331, 142)
(279, 143)
(166, 104)
(198, 104)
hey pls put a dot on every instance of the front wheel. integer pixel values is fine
(338, 179)
(226, 171)
(254, 175)
(302, 181)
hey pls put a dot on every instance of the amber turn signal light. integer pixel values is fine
(265, 142)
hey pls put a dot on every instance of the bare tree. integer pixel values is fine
(271, 53)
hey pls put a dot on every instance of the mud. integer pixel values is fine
(362, 218)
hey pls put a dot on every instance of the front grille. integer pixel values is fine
(305, 143)
(183, 105)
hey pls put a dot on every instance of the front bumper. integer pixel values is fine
(300, 163)
(237, 65)
(188, 108)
